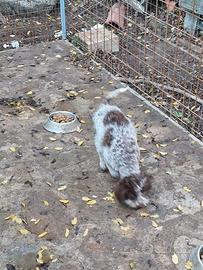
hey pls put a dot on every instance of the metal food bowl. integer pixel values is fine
(68, 127)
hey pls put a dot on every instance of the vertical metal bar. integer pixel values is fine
(63, 18)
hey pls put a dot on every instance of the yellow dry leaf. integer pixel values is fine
(125, 228)
(80, 142)
(74, 221)
(82, 121)
(118, 221)
(187, 189)
(85, 232)
(58, 148)
(163, 145)
(12, 149)
(137, 125)
(154, 224)
(46, 147)
(63, 201)
(20, 66)
(42, 234)
(140, 105)
(14, 218)
(52, 139)
(45, 203)
(37, 221)
(23, 204)
(49, 184)
(97, 97)
(91, 202)
(141, 160)
(145, 136)
(86, 199)
(67, 231)
(175, 259)
(58, 56)
(180, 207)
(188, 265)
(62, 188)
(163, 153)
(174, 140)
(79, 130)
(201, 203)
(37, 268)
(143, 149)
(110, 82)
(132, 265)
(110, 197)
(23, 231)
(144, 214)
(129, 115)
(29, 93)
(157, 156)
(146, 111)
(176, 210)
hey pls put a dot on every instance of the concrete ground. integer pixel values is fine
(34, 164)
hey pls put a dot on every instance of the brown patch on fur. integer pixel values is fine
(126, 190)
(108, 137)
(115, 117)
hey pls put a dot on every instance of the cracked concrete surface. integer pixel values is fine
(51, 70)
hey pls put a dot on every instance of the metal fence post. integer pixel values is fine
(63, 18)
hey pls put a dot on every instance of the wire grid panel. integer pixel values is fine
(28, 22)
(155, 54)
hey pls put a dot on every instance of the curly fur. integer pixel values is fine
(116, 144)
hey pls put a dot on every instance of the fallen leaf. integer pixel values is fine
(176, 210)
(137, 125)
(110, 82)
(29, 93)
(67, 231)
(180, 207)
(129, 115)
(45, 203)
(91, 202)
(144, 214)
(62, 188)
(42, 234)
(174, 140)
(14, 218)
(12, 149)
(20, 66)
(132, 264)
(201, 203)
(37, 221)
(143, 149)
(80, 142)
(23, 204)
(156, 155)
(52, 139)
(163, 153)
(110, 197)
(175, 259)
(125, 228)
(63, 201)
(154, 224)
(97, 97)
(145, 136)
(82, 121)
(74, 221)
(163, 145)
(58, 56)
(118, 221)
(86, 199)
(188, 265)
(58, 148)
(79, 130)
(49, 184)
(187, 189)
(146, 111)
(23, 231)
(85, 232)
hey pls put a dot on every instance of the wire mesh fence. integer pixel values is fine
(154, 46)
(28, 22)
